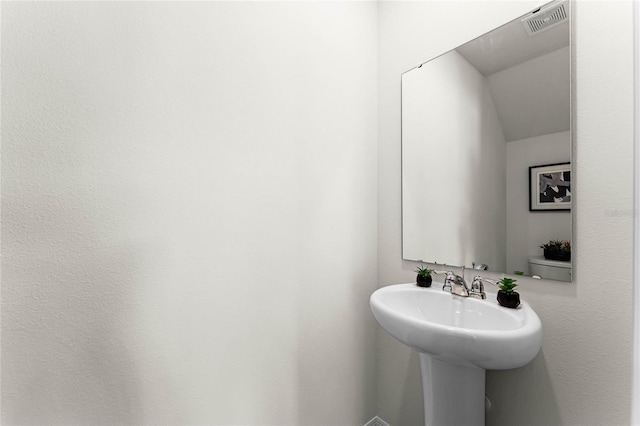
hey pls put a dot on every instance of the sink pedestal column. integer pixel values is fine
(453, 394)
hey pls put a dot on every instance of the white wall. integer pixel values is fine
(189, 219)
(443, 159)
(581, 376)
(188, 226)
(526, 230)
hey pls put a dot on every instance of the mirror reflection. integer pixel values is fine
(486, 147)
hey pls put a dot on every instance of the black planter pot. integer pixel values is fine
(557, 255)
(424, 281)
(508, 300)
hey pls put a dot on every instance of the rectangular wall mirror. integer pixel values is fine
(486, 150)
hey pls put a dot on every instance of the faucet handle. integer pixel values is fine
(477, 287)
(482, 280)
(447, 280)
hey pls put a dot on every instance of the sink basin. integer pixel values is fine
(458, 329)
(458, 339)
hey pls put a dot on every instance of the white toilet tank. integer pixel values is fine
(549, 269)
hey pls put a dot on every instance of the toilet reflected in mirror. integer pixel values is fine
(549, 269)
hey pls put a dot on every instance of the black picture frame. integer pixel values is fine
(550, 187)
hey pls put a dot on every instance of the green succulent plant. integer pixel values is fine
(557, 245)
(424, 272)
(507, 284)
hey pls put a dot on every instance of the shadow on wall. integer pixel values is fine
(68, 271)
(529, 383)
(406, 389)
(412, 398)
(65, 310)
(336, 331)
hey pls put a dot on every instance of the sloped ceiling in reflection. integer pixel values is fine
(528, 77)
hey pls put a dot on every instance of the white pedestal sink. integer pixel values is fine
(458, 339)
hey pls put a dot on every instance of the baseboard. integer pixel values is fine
(376, 421)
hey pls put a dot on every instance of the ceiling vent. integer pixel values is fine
(544, 19)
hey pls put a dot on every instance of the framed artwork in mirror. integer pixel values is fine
(550, 187)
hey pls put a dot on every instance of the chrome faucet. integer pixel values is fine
(455, 283)
(477, 287)
(458, 284)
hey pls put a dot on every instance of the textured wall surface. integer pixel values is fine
(189, 212)
(582, 375)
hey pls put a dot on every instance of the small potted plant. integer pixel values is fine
(557, 250)
(424, 277)
(506, 296)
